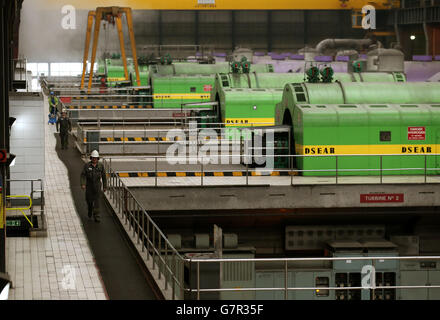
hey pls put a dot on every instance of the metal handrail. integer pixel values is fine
(42, 198)
(130, 210)
(314, 156)
(204, 160)
(21, 209)
(127, 205)
(286, 288)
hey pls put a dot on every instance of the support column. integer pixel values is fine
(269, 30)
(122, 45)
(433, 38)
(233, 40)
(396, 28)
(306, 27)
(425, 30)
(5, 61)
(160, 33)
(196, 27)
(95, 45)
(90, 18)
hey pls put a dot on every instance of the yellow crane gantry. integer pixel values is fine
(112, 15)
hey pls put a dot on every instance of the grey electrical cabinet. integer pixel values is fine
(416, 273)
(202, 275)
(299, 278)
(238, 274)
(354, 272)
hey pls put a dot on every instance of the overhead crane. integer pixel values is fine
(112, 15)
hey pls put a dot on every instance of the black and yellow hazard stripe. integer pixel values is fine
(146, 174)
(71, 107)
(142, 139)
(136, 139)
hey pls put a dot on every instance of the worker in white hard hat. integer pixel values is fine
(91, 177)
(64, 126)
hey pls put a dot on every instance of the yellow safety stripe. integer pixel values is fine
(208, 174)
(173, 96)
(367, 149)
(248, 122)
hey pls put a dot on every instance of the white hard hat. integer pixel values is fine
(94, 154)
(63, 111)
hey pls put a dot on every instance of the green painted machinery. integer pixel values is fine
(192, 68)
(224, 81)
(114, 71)
(101, 67)
(394, 125)
(144, 76)
(248, 107)
(175, 84)
(279, 80)
(173, 91)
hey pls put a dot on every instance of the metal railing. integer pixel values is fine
(165, 259)
(338, 173)
(22, 209)
(32, 198)
(158, 136)
(373, 261)
(146, 132)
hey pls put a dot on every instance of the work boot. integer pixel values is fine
(89, 214)
(97, 217)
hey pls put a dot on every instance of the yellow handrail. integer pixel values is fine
(21, 209)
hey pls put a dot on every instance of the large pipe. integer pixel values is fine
(338, 44)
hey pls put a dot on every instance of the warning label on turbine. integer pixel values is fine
(416, 133)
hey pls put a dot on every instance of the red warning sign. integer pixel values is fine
(66, 99)
(181, 114)
(416, 133)
(381, 198)
(207, 87)
(3, 156)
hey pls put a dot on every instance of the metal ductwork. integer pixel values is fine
(345, 44)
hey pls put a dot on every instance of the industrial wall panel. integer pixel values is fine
(288, 16)
(27, 141)
(284, 28)
(178, 16)
(413, 278)
(255, 17)
(303, 280)
(223, 17)
(434, 280)
(323, 16)
(238, 275)
(272, 279)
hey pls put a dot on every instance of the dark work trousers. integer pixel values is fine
(92, 198)
(64, 140)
